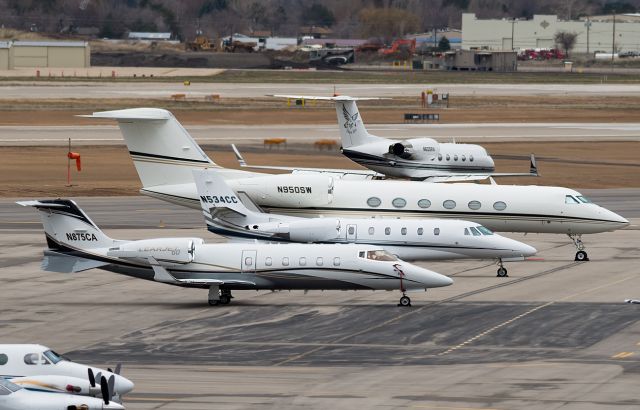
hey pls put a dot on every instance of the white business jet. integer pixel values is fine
(16, 397)
(37, 367)
(416, 158)
(409, 239)
(164, 155)
(75, 243)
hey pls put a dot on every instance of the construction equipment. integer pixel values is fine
(237, 46)
(200, 43)
(398, 46)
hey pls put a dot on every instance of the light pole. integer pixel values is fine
(588, 25)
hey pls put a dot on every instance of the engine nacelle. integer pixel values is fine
(310, 230)
(57, 384)
(174, 250)
(416, 148)
(303, 190)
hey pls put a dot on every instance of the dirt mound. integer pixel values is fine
(181, 59)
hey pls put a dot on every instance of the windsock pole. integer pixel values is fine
(69, 164)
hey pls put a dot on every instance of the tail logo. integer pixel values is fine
(351, 120)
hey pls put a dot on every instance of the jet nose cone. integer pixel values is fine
(113, 406)
(620, 221)
(527, 250)
(434, 280)
(123, 385)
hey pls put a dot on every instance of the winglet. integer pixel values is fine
(160, 273)
(239, 156)
(533, 169)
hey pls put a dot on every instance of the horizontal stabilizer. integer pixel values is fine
(68, 264)
(138, 114)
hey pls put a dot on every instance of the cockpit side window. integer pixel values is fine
(584, 199)
(466, 231)
(483, 230)
(475, 232)
(381, 255)
(570, 200)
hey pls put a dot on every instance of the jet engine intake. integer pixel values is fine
(311, 230)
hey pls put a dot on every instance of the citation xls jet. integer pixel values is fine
(423, 159)
(164, 155)
(409, 239)
(36, 367)
(75, 243)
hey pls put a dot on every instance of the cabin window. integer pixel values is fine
(475, 205)
(449, 204)
(399, 203)
(470, 158)
(436, 231)
(248, 261)
(499, 206)
(448, 157)
(420, 231)
(424, 203)
(387, 231)
(3, 359)
(466, 231)
(32, 358)
(319, 261)
(336, 261)
(584, 199)
(303, 261)
(475, 232)
(485, 231)
(464, 158)
(372, 230)
(268, 261)
(439, 157)
(285, 261)
(351, 230)
(403, 231)
(455, 157)
(374, 202)
(570, 200)
(361, 254)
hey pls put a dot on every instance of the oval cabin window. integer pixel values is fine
(424, 203)
(475, 205)
(374, 202)
(399, 203)
(449, 204)
(499, 206)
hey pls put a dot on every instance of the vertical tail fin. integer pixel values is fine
(67, 226)
(162, 150)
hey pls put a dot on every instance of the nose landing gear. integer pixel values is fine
(581, 254)
(404, 300)
(502, 271)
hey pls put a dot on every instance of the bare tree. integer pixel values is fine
(566, 40)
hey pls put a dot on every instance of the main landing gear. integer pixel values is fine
(219, 296)
(502, 271)
(581, 255)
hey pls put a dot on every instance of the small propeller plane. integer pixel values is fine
(409, 239)
(36, 367)
(75, 243)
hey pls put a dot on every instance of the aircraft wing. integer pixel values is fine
(162, 275)
(365, 174)
(533, 172)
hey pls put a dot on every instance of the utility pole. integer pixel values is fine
(435, 38)
(613, 39)
(513, 25)
(588, 24)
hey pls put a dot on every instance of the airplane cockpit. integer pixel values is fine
(6, 387)
(378, 255)
(576, 200)
(478, 230)
(47, 357)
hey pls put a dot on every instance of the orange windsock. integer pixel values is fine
(76, 156)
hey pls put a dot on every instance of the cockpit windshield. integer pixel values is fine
(485, 231)
(576, 199)
(477, 230)
(584, 199)
(380, 255)
(8, 385)
(52, 356)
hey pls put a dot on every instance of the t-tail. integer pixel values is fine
(70, 233)
(352, 129)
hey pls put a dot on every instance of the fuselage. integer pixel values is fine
(501, 208)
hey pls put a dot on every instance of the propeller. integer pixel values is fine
(92, 378)
(104, 388)
(118, 368)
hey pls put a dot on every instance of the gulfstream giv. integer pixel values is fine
(164, 155)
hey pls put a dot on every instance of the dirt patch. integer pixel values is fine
(108, 170)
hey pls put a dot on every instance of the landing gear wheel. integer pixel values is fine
(404, 301)
(225, 299)
(213, 302)
(502, 272)
(581, 256)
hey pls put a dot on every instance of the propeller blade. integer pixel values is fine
(92, 378)
(109, 370)
(104, 389)
(118, 368)
(112, 386)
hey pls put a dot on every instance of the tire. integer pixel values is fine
(213, 302)
(502, 272)
(581, 256)
(225, 300)
(404, 301)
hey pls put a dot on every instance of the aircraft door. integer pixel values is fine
(352, 233)
(248, 263)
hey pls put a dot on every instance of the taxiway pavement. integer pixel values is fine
(555, 334)
(244, 134)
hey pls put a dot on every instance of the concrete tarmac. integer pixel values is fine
(554, 334)
(143, 89)
(245, 135)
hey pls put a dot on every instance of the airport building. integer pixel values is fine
(595, 34)
(44, 54)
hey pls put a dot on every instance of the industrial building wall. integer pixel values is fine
(66, 57)
(495, 34)
(29, 56)
(49, 56)
(4, 58)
